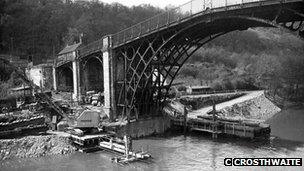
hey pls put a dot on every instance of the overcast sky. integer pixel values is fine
(158, 3)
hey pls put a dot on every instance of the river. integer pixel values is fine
(192, 152)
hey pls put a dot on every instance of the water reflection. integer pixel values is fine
(214, 155)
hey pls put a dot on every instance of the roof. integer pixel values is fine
(68, 49)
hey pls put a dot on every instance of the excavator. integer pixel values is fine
(79, 124)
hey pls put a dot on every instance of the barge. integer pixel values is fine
(123, 147)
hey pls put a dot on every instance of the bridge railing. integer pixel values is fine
(90, 48)
(62, 59)
(172, 16)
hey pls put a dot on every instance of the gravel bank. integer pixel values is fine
(34, 146)
(258, 108)
(253, 106)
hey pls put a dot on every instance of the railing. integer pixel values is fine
(62, 59)
(90, 48)
(172, 16)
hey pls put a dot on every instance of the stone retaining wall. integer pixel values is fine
(142, 128)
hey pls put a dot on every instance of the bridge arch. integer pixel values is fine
(140, 58)
(92, 73)
(173, 51)
(65, 83)
(200, 39)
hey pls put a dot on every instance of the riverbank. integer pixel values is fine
(253, 106)
(257, 108)
(35, 146)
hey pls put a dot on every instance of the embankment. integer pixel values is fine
(254, 106)
(34, 146)
(257, 108)
(200, 101)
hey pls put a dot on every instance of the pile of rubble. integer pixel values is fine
(35, 146)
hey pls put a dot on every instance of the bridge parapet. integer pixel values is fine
(188, 10)
(94, 47)
(91, 48)
(63, 59)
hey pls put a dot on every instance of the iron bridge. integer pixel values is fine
(140, 62)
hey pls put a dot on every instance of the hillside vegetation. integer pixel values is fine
(41, 28)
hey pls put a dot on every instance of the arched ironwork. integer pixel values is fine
(167, 52)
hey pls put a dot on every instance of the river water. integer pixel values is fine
(192, 152)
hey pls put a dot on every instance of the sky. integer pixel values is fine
(158, 3)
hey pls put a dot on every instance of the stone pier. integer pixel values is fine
(108, 77)
(76, 78)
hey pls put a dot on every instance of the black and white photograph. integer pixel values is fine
(174, 85)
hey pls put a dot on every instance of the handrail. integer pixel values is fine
(90, 48)
(172, 16)
(164, 20)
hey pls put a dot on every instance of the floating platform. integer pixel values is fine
(87, 140)
(86, 143)
(239, 128)
(108, 142)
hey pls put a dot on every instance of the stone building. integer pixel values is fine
(41, 75)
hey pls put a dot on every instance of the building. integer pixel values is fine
(41, 75)
(197, 89)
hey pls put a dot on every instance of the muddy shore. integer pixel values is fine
(35, 146)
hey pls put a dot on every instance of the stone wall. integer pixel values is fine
(41, 75)
(35, 74)
(141, 128)
(48, 78)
